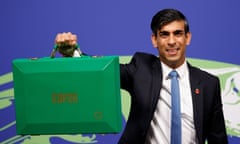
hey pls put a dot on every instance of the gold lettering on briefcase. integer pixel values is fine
(98, 115)
(60, 98)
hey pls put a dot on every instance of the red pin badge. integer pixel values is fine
(197, 91)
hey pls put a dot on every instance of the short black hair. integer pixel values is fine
(167, 16)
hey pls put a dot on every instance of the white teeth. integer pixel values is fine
(175, 49)
(171, 49)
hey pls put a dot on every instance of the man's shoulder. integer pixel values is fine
(143, 60)
(145, 56)
(201, 72)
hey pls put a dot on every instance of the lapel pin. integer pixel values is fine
(197, 91)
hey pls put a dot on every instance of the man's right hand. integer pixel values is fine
(66, 38)
(66, 45)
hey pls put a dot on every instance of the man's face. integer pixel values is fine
(171, 41)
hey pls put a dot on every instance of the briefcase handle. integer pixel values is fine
(65, 50)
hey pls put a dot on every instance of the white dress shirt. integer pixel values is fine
(159, 131)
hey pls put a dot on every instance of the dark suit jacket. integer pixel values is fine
(142, 78)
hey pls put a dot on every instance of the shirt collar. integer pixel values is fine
(182, 70)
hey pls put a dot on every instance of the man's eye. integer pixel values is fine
(163, 34)
(179, 33)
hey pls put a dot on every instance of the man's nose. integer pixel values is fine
(172, 40)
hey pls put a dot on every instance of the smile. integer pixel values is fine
(173, 51)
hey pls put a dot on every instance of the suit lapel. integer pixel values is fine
(197, 98)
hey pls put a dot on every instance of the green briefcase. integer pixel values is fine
(67, 95)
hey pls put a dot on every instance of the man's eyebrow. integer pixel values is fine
(164, 32)
(174, 32)
(178, 31)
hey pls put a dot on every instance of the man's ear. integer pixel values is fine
(154, 40)
(189, 37)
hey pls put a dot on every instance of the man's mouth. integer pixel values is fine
(172, 51)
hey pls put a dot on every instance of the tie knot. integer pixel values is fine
(173, 74)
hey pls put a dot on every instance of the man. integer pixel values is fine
(147, 80)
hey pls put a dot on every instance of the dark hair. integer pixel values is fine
(167, 16)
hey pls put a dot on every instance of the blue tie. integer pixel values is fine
(176, 112)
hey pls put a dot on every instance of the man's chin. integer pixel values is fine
(174, 62)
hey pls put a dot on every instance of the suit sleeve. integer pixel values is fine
(126, 72)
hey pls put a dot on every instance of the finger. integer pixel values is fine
(60, 38)
(73, 39)
(70, 39)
